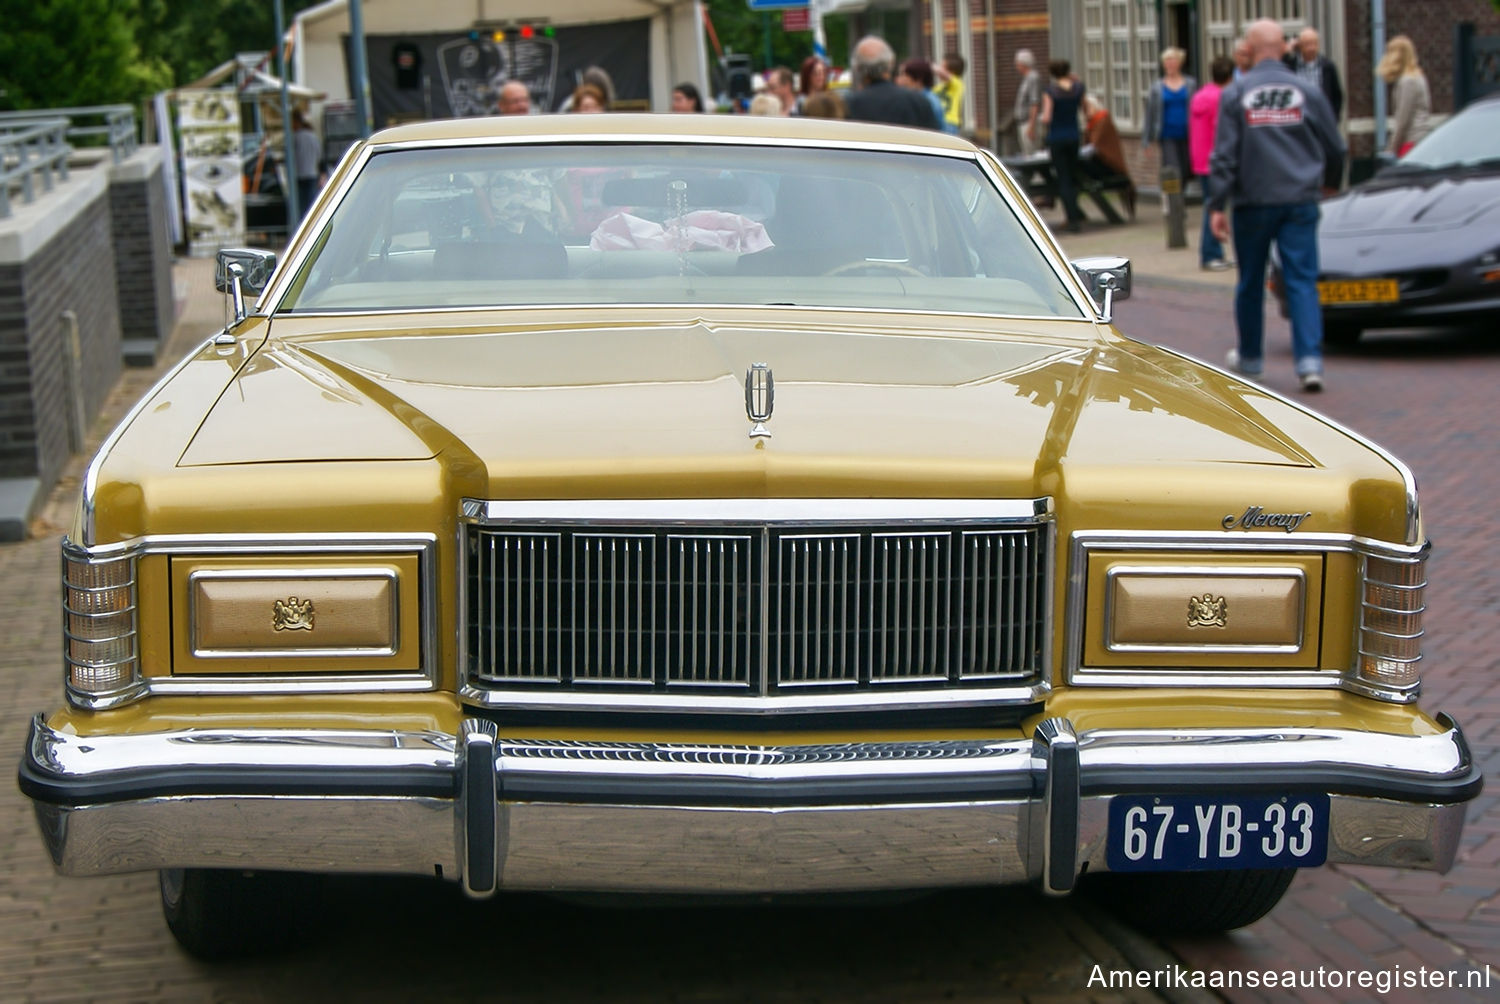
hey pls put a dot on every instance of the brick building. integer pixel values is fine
(1114, 46)
(987, 33)
(1433, 26)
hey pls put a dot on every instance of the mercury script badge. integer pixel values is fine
(760, 398)
(1254, 518)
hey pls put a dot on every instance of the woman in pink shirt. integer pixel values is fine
(1203, 122)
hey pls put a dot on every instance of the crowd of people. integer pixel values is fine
(878, 89)
(1261, 137)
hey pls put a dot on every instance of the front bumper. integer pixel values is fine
(656, 817)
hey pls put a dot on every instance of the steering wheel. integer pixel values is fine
(865, 265)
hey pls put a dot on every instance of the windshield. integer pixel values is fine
(675, 224)
(1470, 137)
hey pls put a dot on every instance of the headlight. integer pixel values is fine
(100, 626)
(1390, 622)
(1225, 611)
(266, 616)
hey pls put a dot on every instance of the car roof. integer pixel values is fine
(667, 126)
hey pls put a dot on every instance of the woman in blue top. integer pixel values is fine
(1060, 106)
(1166, 120)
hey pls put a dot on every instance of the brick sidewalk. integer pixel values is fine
(1144, 242)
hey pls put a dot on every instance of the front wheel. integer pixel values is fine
(1192, 902)
(219, 914)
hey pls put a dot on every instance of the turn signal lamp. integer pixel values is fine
(1390, 624)
(99, 623)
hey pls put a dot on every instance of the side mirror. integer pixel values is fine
(241, 270)
(1107, 278)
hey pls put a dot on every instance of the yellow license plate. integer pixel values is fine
(1358, 291)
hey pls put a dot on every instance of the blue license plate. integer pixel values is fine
(1201, 832)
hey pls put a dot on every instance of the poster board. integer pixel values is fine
(459, 73)
(208, 124)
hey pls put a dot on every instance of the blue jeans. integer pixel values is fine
(1209, 248)
(1294, 228)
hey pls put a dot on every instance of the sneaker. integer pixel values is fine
(1312, 382)
(1232, 361)
(1217, 265)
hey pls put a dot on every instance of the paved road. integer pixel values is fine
(1428, 398)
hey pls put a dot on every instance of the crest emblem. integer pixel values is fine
(1208, 611)
(292, 614)
(760, 398)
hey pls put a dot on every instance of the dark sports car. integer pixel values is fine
(1419, 244)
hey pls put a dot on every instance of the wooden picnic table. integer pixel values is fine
(1035, 174)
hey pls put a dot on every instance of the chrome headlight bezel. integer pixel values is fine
(1372, 635)
(420, 673)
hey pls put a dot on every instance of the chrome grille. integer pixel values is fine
(612, 592)
(999, 626)
(709, 589)
(816, 613)
(521, 600)
(755, 609)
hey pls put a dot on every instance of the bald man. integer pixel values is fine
(1276, 136)
(877, 98)
(514, 99)
(1243, 59)
(1308, 62)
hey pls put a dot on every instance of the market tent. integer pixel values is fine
(421, 62)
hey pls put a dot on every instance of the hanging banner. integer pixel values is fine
(435, 76)
(208, 122)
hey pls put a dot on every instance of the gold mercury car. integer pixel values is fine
(721, 505)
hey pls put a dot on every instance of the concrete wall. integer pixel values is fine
(71, 255)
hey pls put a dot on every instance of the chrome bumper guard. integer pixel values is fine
(648, 817)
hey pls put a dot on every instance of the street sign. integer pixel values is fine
(796, 19)
(777, 4)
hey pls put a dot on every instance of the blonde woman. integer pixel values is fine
(1411, 101)
(1166, 120)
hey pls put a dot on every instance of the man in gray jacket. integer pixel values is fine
(1275, 138)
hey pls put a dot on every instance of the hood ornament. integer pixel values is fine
(760, 398)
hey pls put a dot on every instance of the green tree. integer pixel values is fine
(67, 53)
(741, 29)
(192, 37)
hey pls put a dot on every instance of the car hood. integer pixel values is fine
(562, 410)
(1419, 202)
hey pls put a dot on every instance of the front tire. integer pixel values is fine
(218, 914)
(1192, 902)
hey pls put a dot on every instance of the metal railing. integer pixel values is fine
(35, 144)
(30, 150)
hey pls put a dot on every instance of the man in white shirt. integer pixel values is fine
(1028, 101)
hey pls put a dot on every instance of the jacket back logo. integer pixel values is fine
(1273, 105)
